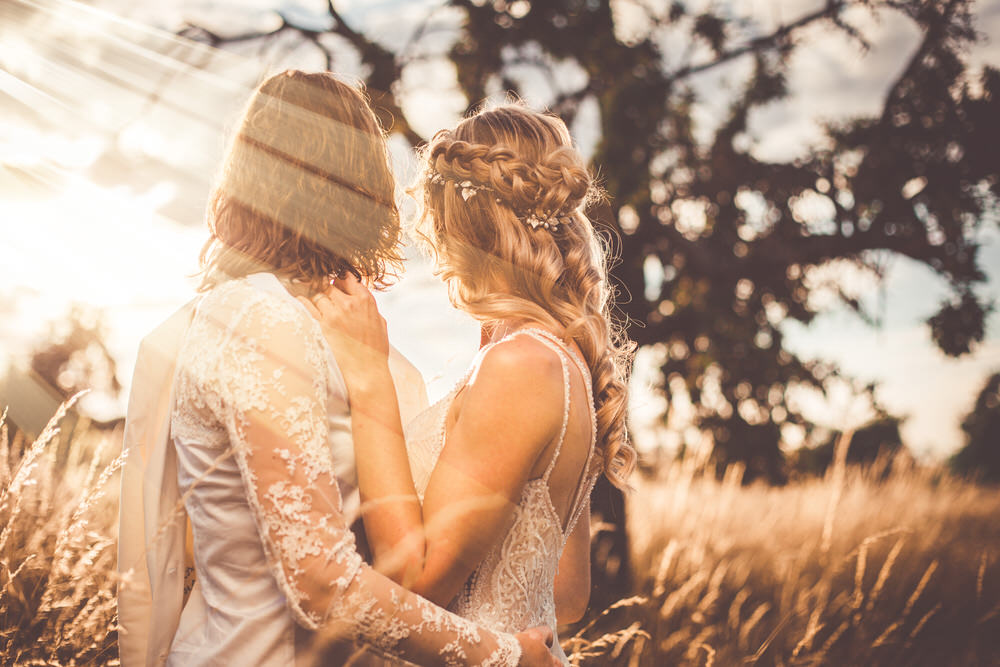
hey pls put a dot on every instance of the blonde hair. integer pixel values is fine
(306, 189)
(481, 185)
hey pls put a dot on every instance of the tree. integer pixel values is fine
(730, 238)
(74, 356)
(980, 457)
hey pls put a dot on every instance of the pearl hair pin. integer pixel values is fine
(468, 189)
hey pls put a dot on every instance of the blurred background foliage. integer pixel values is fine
(980, 457)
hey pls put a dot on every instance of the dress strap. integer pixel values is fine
(587, 478)
(580, 501)
(554, 344)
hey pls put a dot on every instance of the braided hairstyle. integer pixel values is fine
(480, 185)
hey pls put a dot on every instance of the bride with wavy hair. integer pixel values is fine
(504, 464)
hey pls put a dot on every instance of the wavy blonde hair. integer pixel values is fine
(497, 266)
(306, 189)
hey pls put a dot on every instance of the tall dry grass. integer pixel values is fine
(57, 547)
(858, 568)
(862, 567)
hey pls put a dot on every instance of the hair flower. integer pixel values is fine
(468, 189)
(548, 220)
(536, 221)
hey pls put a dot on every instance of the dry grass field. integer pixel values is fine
(57, 547)
(858, 568)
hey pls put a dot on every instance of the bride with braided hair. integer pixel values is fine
(504, 464)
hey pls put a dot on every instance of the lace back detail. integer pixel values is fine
(513, 588)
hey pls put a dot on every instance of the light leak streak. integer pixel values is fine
(111, 133)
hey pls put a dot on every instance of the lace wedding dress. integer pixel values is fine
(260, 404)
(513, 588)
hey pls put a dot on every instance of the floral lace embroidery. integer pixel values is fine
(513, 588)
(254, 374)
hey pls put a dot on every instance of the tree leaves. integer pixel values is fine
(712, 29)
(959, 324)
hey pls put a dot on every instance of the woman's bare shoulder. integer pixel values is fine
(521, 378)
(523, 356)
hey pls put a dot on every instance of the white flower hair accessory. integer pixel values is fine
(549, 223)
(468, 189)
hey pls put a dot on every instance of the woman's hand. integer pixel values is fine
(355, 331)
(357, 335)
(535, 643)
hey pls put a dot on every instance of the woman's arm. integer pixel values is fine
(573, 578)
(389, 506)
(267, 388)
(512, 409)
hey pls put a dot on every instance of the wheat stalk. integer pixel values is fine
(920, 588)
(883, 573)
(980, 576)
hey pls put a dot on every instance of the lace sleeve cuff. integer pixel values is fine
(507, 653)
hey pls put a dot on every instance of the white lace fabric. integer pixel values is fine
(256, 380)
(513, 588)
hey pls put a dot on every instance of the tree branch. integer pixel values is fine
(191, 31)
(385, 68)
(566, 102)
(829, 11)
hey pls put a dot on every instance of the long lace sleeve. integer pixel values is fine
(271, 381)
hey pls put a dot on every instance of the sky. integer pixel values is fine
(78, 230)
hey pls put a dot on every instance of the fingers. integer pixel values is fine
(533, 641)
(321, 307)
(348, 306)
(542, 633)
(327, 306)
(350, 285)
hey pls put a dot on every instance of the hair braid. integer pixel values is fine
(498, 267)
(557, 183)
